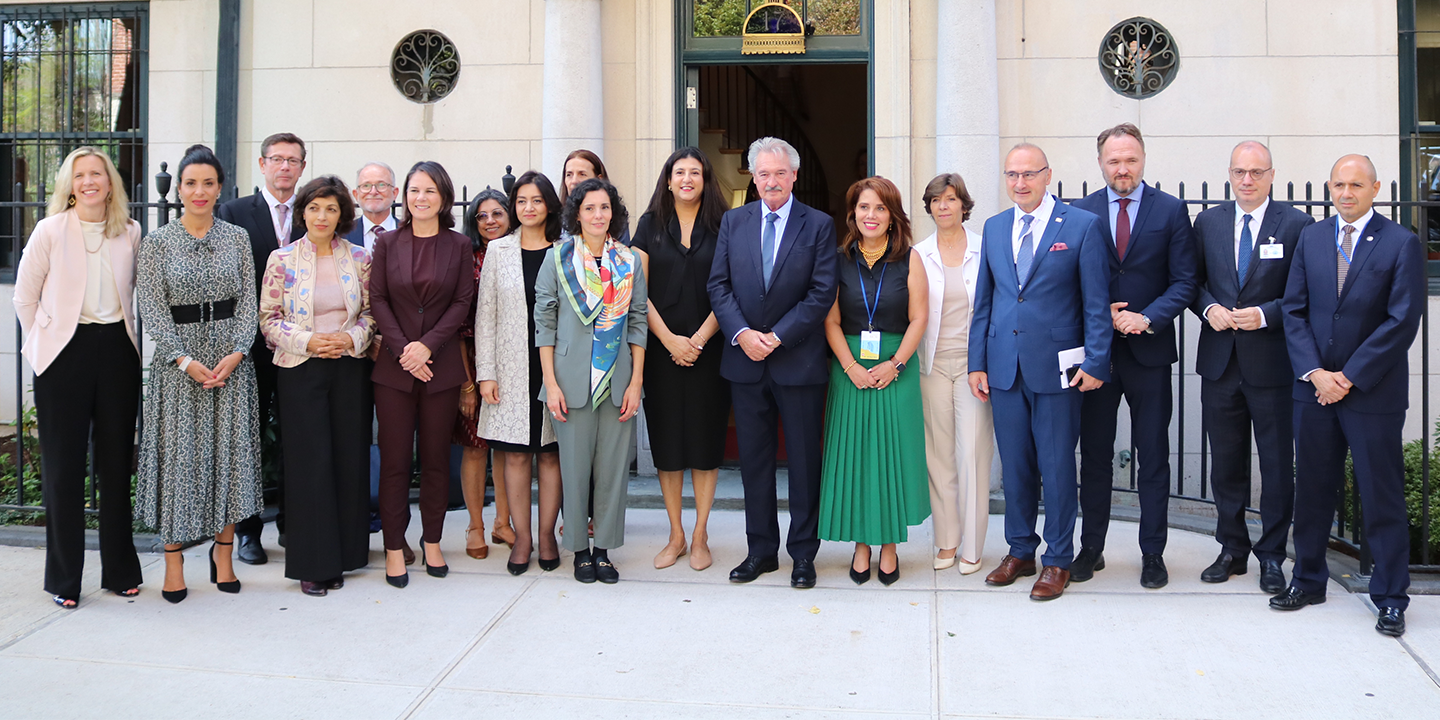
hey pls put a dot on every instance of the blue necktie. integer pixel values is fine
(767, 247)
(1027, 250)
(1247, 243)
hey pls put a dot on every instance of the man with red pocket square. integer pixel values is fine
(1151, 249)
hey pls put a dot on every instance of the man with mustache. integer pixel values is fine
(1352, 305)
(1152, 280)
(771, 285)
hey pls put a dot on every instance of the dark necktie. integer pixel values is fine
(1342, 259)
(767, 247)
(1247, 243)
(1122, 228)
(1026, 258)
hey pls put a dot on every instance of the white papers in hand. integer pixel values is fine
(1069, 361)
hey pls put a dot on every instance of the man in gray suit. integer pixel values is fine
(1243, 251)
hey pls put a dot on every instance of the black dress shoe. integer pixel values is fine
(889, 578)
(1086, 564)
(249, 551)
(1152, 571)
(313, 589)
(753, 567)
(605, 570)
(400, 580)
(584, 567)
(803, 576)
(1224, 566)
(1294, 598)
(1272, 578)
(334, 583)
(1391, 622)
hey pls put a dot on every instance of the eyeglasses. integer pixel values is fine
(485, 217)
(380, 187)
(287, 162)
(1029, 176)
(1238, 174)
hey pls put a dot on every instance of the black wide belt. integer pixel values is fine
(203, 312)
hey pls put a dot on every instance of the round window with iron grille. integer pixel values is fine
(1138, 58)
(425, 66)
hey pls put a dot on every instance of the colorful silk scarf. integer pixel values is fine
(600, 295)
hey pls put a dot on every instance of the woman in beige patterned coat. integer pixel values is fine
(507, 367)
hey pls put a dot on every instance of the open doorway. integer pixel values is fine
(821, 109)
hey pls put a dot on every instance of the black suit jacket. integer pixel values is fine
(1157, 277)
(1264, 361)
(252, 213)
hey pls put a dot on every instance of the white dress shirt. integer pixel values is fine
(1256, 218)
(281, 239)
(1037, 226)
(371, 232)
(784, 212)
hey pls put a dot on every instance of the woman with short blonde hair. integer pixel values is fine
(73, 291)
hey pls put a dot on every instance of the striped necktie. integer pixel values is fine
(1342, 258)
(1026, 258)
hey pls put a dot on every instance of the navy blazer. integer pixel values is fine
(252, 213)
(1367, 331)
(801, 292)
(1263, 358)
(356, 236)
(1064, 304)
(1157, 277)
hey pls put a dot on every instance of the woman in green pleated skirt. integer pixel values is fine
(874, 483)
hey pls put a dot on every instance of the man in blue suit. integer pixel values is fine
(771, 285)
(1043, 288)
(1244, 251)
(375, 193)
(1151, 252)
(1352, 306)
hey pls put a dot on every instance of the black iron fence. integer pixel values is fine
(1347, 534)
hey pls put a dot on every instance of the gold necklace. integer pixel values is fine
(871, 257)
(86, 241)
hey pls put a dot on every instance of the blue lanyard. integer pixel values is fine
(1340, 247)
(869, 311)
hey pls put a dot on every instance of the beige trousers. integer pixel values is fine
(959, 448)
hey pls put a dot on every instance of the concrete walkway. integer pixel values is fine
(677, 643)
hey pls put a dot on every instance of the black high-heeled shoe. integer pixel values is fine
(232, 586)
(860, 578)
(891, 577)
(401, 580)
(438, 571)
(551, 564)
(519, 568)
(175, 596)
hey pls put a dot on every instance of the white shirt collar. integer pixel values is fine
(1359, 225)
(386, 226)
(783, 211)
(1258, 214)
(271, 202)
(1042, 213)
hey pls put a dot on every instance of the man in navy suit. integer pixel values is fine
(1152, 280)
(771, 285)
(1352, 306)
(1244, 251)
(375, 193)
(1042, 289)
(267, 215)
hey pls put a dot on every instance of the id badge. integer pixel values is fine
(869, 344)
(1272, 251)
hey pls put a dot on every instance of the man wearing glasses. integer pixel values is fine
(375, 193)
(1244, 250)
(1152, 280)
(269, 217)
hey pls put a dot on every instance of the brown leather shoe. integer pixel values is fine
(409, 554)
(1051, 584)
(1010, 568)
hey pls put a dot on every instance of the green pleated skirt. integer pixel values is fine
(873, 484)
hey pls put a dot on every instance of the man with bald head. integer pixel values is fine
(1352, 306)
(1243, 251)
(1043, 288)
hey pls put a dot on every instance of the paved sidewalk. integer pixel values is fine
(677, 643)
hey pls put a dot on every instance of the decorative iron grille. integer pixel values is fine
(1139, 58)
(425, 66)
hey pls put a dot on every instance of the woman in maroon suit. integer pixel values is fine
(422, 279)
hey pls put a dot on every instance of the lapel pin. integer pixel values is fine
(1370, 239)
(1058, 219)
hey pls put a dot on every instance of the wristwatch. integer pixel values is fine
(899, 366)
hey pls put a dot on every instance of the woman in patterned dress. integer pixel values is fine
(199, 469)
(485, 220)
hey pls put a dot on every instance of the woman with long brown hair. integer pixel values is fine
(873, 484)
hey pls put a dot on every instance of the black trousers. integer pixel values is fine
(325, 411)
(1231, 408)
(91, 390)
(265, 376)
(1147, 391)
(759, 409)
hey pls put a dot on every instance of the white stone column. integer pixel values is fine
(573, 108)
(967, 101)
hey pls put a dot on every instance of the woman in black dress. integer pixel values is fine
(687, 403)
(512, 419)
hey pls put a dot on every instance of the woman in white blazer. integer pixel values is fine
(74, 291)
(512, 419)
(959, 429)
